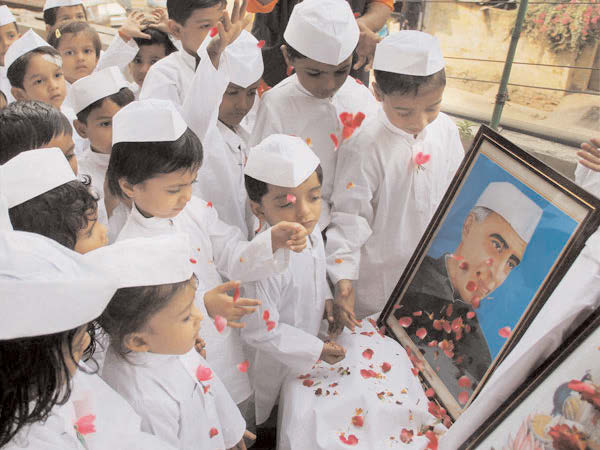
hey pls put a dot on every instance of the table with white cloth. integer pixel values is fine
(369, 400)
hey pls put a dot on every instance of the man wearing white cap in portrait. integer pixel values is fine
(494, 239)
(9, 33)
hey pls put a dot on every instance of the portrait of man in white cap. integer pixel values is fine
(444, 296)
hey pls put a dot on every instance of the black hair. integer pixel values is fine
(157, 37)
(56, 34)
(389, 82)
(16, 72)
(139, 161)
(130, 309)
(121, 98)
(257, 189)
(34, 377)
(29, 125)
(51, 13)
(292, 52)
(59, 214)
(181, 10)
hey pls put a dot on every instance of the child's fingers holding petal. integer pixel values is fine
(232, 324)
(248, 302)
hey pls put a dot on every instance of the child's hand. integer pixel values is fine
(228, 31)
(288, 235)
(219, 303)
(159, 20)
(590, 155)
(132, 28)
(200, 346)
(365, 49)
(342, 309)
(332, 353)
(242, 445)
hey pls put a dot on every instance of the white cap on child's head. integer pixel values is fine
(323, 30)
(147, 261)
(33, 173)
(92, 88)
(29, 41)
(409, 52)
(58, 3)
(148, 120)
(507, 200)
(281, 160)
(6, 16)
(244, 59)
(46, 288)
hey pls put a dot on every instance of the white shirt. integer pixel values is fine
(170, 78)
(382, 203)
(220, 251)
(295, 300)
(588, 179)
(5, 86)
(164, 391)
(288, 108)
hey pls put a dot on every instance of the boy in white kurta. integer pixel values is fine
(283, 179)
(320, 38)
(393, 174)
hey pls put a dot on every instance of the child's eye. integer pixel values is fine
(316, 197)
(340, 72)
(137, 60)
(58, 75)
(69, 53)
(105, 124)
(38, 81)
(87, 51)
(252, 93)
(312, 74)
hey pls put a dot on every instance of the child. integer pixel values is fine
(153, 327)
(9, 33)
(150, 52)
(45, 197)
(283, 180)
(154, 161)
(59, 12)
(33, 124)
(221, 178)
(320, 38)
(392, 176)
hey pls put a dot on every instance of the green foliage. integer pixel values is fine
(464, 129)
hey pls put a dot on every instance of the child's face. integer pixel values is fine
(236, 103)
(93, 236)
(194, 30)
(78, 55)
(275, 206)
(79, 344)
(8, 35)
(173, 329)
(163, 196)
(98, 128)
(66, 144)
(411, 113)
(146, 57)
(44, 81)
(69, 14)
(321, 80)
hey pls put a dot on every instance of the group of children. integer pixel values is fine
(174, 194)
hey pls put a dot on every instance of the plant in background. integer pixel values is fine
(566, 26)
(464, 128)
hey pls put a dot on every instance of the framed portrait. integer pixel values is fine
(557, 407)
(506, 231)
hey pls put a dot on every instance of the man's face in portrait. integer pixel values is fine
(489, 250)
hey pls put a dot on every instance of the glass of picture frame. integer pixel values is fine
(503, 236)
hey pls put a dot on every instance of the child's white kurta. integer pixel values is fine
(295, 301)
(116, 424)
(588, 179)
(382, 203)
(5, 86)
(288, 108)
(220, 251)
(173, 404)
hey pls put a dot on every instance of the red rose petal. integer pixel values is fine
(421, 333)
(430, 393)
(464, 381)
(203, 373)
(335, 141)
(358, 119)
(261, 43)
(243, 366)
(206, 388)
(266, 315)
(308, 383)
(358, 421)
(432, 344)
(471, 286)
(291, 198)
(209, 204)
(405, 321)
(463, 397)
(470, 315)
(350, 440)
(504, 332)
(433, 440)
(406, 436)
(367, 354)
(213, 32)
(270, 325)
(220, 323)
(213, 432)
(386, 367)
(193, 261)
(417, 313)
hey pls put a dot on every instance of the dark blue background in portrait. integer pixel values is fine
(512, 297)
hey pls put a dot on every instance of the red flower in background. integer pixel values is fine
(589, 392)
(567, 437)
(85, 424)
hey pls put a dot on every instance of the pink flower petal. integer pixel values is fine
(406, 436)
(243, 366)
(270, 325)
(213, 432)
(421, 333)
(85, 424)
(220, 323)
(203, 373)
(430, 393)
(386, 367)
(422, 158)
(291, 198)
(405, 321)
(464, 381)
(266, 315)
(350, 440)
(308, 383)
(470, 315)
(212, 33)
(367, 354)
(358, 421)
(236, 294)
(463, 397)
(260, 43)
(504, 332)
(335, 141)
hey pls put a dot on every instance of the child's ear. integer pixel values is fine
(377, 91)
(174, 29)
(127, 188)
(48, 30)
(136, 342)
(81, 128)
(19, 94)
(258, 210)
(286, 56)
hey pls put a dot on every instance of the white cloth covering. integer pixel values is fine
(295, 300)
(58, 3)
(28, 41)
(288, 108)
(311, 421)
(6, 16)
(96, 86)
(383, 204)
(164, 391)
(221, 251)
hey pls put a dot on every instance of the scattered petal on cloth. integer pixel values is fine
(203, 373)
(421, 333)
(386, 367)
(368, 373)
(260, 43)
(291, 198)
(308, 383)
(243, 366)
(236, 294)
(417, 313)
(422, 158)
(193, 261)
(213, 32)
(220, 323)
(463, 397)
(213, 432)
(270, 325)
(350, 440)
(356, 79)
(504, 332)
(209, 204)
(85, 424)
(339, 261)
(358, 421)
(350, 185)
(464, 381)
(405, 321)
(335, 141)
(433, 440)
(367, 354)
(266, 315)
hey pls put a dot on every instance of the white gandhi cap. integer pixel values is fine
(101, 84)
(46, 288)
(148, 120)
(281, 160)
(6, 16)
(505, 199)
(58, 3)
(147, 261)
(244, 60)
(33, 173)
(323, 30)
(409, 52)
(29, 41)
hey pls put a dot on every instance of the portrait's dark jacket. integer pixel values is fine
(431, 294)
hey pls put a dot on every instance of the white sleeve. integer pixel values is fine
(159, 418)
(232, 423)
(267, 121)
(119, 54)
(289, 345)
(159, 85)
